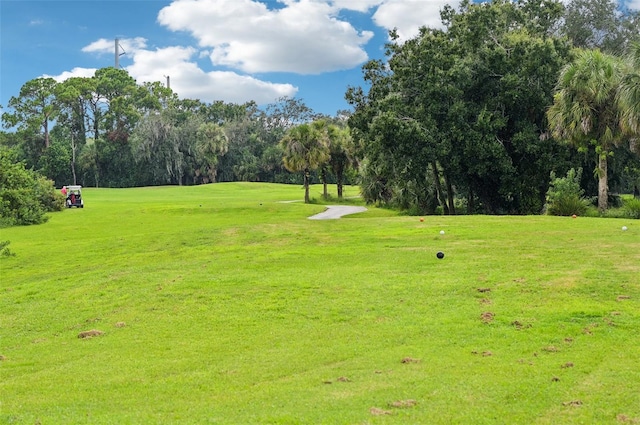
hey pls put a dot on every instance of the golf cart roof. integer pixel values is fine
(74, 187)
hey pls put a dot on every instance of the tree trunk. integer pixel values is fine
(450, 195)
(306, 186)
(602, 182)
(339, 184)
(46, 132)
(440, 194)
(323, 175)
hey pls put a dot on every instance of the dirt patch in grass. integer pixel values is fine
(519, 325)
(626, 419)
(90, 334)
(572, 403)
(376, 411)
(487, 317)
(402, 404)
(410, 360)
(484, 353)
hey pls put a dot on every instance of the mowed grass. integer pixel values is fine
(220, 304)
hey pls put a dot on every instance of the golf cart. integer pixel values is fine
(74, 197)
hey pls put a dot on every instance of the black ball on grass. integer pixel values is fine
(440, 255)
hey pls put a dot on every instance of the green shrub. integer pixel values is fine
(631, 208)
(25, 196)
(4, 249)
(568, 205)
(47, 195)
(565, 196)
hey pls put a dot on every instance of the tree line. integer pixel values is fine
(477, 115)
(106, 130)
(474, 117)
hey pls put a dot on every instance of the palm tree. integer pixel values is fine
(305, 148)
(212, 142)
(629, 97)
(584, 110)
(339, 148)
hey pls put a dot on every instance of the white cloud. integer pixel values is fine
(409, 15)
(104, 46)
(633, 4)
(304, 36)
(300, 36)
(75, 72)
(189, 81)
(186, 78)
(357, 5)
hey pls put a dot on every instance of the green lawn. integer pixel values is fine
(220, 304)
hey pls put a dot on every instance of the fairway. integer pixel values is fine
(221, 304)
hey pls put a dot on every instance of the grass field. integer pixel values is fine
(218, 304)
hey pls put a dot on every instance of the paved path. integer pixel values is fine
(337, 211)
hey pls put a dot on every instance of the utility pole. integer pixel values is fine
(117, 55)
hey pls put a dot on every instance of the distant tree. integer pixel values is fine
(158, 150)
(340, 151)
(460, 111)
(584, 111)
(306, 148)
(212, 142)
(629, 97)
(73, 96)
(600, 24)
(34, 108)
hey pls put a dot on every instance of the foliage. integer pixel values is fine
(584, 111)
(25, 196)
(34, 108)
(565, 197)
(600, 24)
(629, 97)
(631, 207)
(306, 148)
(461, 111)
(5, 251)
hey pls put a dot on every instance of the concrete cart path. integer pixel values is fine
(337, 211)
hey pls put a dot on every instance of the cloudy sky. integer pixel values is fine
(230, 50)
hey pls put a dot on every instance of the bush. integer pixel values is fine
(631, 208)
(565, 197)
(25, 196)
(45, 193)
(4, 249)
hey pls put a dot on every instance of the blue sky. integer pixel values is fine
(230, 50)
